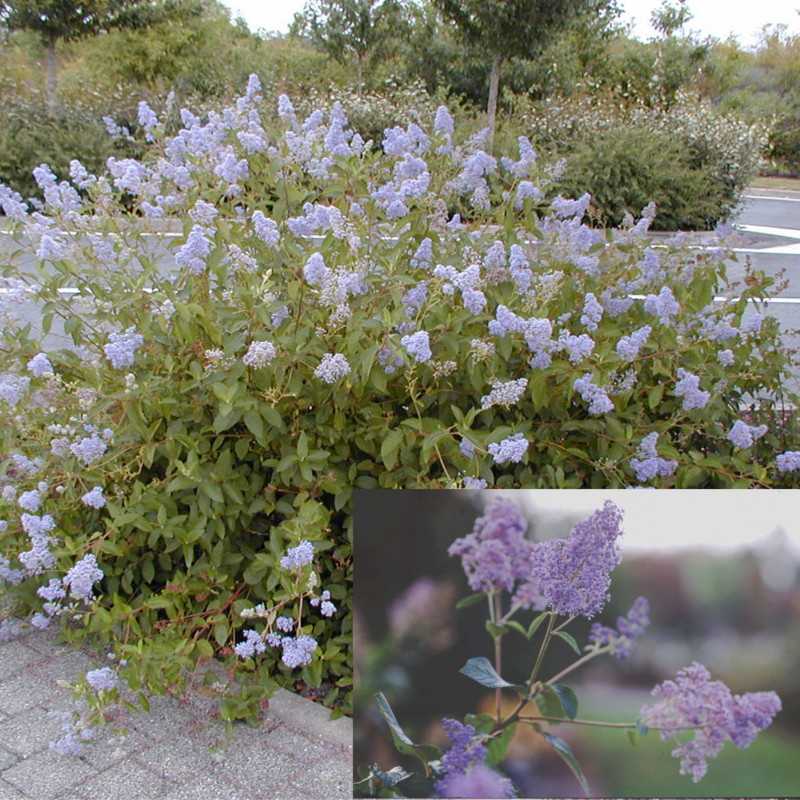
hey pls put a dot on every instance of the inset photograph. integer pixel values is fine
(577, 644)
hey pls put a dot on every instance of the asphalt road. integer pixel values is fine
(769, 221)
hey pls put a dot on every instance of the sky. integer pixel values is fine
(718, 520)
(711, 17)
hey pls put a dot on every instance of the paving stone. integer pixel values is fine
(209, 787)
(46, 775)
(305, 715)
(327, 779)
(259, 765)
(113, 745)
(179, 758)
(176, 751)
(9, 792)
(221, 738)
(126, 781)
(302, 747)
(322, 785)
(69, 666)
(45, 642)
(167, 717)
(14, 657)
(29, 731)
(24, 691)
(7, 759)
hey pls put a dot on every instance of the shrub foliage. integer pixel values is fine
(284, 315)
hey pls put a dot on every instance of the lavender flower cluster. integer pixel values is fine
(573, 575)
(297, 649)
(629, 628)
(648, 464)
(464, 772)
(709, 713)
(569, 576)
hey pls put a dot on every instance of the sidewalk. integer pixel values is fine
(177, 751)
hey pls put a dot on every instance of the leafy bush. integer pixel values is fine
(626, 167)
(784, 145)
(30, 136)
(723, 151)
(315, 323)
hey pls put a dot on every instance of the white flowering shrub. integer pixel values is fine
(722, 152)
(267, 314)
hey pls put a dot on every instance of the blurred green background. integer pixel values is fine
(736, 612)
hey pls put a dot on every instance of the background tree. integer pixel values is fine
(670, 17)
(507, 28)
(352, 29)
(63, 20)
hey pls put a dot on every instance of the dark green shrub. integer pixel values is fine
(784, 145)
(626, 167)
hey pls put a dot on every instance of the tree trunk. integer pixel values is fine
(51, 86)
(360, 73)
(491, 110)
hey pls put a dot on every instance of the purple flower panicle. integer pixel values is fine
(574, 574)
(496, 554)
(629, 628)
(694, 704)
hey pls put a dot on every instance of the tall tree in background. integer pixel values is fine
(670, 17)
(507, 28)
(352, 29)
(66, 20)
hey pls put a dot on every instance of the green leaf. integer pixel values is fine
(221, 632)
(633, 737)
(390, 446)
(537, 621)
(495, 631)
(205, 648)
(273, 417)
(514, 625)
(568, 699)
(302, 446)
(481, 671)
(654, 396)
(564, 750)
(483, 723)
(691, 478)
(212, 491)
(469, 600)
(401, 740)
(254, 424)
(496, 748)
(548, 703)
(148, 570)
(569, 639)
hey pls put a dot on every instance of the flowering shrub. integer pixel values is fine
(560, 580)
(714, 154)
(370, 112)
(276, 320)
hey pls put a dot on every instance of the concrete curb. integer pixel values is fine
(293, 709)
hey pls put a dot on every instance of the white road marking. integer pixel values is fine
(783, 300)
(780, 250)
(72, 290)
(768, 230)
(771, 197)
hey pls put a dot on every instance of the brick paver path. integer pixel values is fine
(177, 751)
